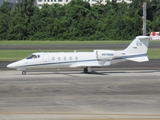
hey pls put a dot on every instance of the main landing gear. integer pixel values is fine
(23, 72)
(87, 70)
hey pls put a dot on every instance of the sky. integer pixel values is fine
(1, 2)
(12, 1)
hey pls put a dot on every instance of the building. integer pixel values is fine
(155, 36)
(62, 2)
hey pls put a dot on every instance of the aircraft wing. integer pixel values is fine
(83, 65)
(98, 64)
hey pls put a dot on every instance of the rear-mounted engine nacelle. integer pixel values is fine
(104, 54)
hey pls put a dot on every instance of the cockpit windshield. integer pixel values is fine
(33, 56)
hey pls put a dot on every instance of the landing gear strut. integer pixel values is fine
(87, 70)
(23, 72)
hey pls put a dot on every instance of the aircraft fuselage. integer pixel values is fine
(64, 59)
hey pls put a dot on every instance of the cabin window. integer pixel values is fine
(53, 58)
(65, 58)
(32, 57)
(70, 58)
(59, 58)
(76, 58)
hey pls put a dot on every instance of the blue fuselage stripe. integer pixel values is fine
(92, 60)
(53, 63)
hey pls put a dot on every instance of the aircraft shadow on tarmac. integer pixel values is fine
(73, 74)
(69, 73)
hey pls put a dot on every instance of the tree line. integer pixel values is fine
(77, 20)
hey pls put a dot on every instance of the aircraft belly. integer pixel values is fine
(44, 66)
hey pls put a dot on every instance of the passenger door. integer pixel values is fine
(45, 58)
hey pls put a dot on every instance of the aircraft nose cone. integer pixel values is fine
(11, 65)
(8, 66)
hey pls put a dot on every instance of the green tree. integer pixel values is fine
(21, 18)
(77, 20)
(153, 15)
(5, 11)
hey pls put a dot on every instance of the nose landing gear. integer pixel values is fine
(23, 72)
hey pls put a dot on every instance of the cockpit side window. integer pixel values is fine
(33, 56)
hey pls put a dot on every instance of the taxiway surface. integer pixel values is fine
(68, 46)
(153, 64)
(74, 95)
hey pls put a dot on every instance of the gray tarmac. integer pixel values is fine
(126, 90)
(72, 95)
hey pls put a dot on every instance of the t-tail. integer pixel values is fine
(137, 50)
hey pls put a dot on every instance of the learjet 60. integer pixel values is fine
(136, 51)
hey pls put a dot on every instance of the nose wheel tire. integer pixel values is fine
(23, 72)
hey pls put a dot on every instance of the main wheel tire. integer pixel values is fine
(85, 70)
(23, 72)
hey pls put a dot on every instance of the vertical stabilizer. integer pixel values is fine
(138, 45)
(137, 50)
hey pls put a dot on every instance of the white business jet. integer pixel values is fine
(136, 51)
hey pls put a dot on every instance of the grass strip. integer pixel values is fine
(154, 53)
(14, 55)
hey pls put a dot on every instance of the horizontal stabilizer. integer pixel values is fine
(139, 59)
